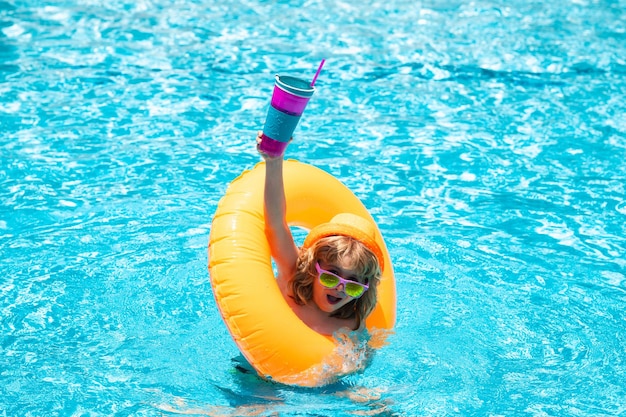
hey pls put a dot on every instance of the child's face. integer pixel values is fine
(332, 299)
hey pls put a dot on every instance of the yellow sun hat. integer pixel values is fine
(351, 225)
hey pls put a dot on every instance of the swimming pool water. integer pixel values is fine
(487, 138)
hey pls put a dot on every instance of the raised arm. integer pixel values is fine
(283, 247)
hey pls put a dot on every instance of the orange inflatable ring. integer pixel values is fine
(272, 338)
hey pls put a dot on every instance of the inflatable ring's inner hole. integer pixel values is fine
(299, 234)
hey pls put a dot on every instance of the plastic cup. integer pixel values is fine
(289, 100)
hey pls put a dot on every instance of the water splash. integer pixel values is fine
(353, 352)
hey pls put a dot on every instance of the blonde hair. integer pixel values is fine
(333, 249)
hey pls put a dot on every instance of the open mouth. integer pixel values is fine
(332, 300)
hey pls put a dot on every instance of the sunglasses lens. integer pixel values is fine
(354, 290)
(328, 280)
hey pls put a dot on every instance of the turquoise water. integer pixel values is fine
(487, 138)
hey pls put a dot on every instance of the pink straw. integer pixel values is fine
(318, 72)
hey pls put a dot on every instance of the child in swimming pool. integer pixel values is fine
(329, 283)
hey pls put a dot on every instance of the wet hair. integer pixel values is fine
(331, 250)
